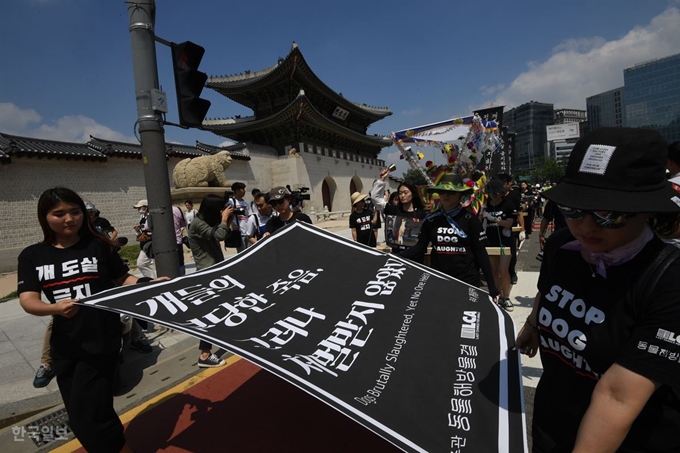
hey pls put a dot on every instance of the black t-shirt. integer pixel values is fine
(275, 222)
(496, 234)
(86, 268)
(552, 214)
(365, 229)
(587, 324)
(452, 254)
(515, 196)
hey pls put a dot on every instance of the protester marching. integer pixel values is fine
(441, 289)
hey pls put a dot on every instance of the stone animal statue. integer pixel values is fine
(203, 171)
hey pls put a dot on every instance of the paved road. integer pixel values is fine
(170, 374)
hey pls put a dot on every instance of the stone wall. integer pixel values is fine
(113, 186)
(116, 185)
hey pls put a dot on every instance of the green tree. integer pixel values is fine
(413, 176)
(549, 170)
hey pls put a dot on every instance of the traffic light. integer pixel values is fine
(189, 83)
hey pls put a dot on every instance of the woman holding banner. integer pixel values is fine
(73, 261)
(606, 318)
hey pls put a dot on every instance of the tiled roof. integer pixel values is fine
(111, 148)
(4, 158)
(99, 149)
(300, 112)
(175, 149)
(239, 87)
(233, 150)
(12, 145)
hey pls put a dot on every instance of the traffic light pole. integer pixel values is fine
(142, 20)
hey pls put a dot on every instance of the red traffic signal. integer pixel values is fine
(189, 83)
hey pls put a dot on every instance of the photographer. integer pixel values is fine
(297, 198)
(143, 230)
(241, 211)
(212, 225)
(280, 199)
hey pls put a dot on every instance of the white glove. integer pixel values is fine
(522, 236)
(488, 216)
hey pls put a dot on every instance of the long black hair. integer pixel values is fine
(416, 201)
(51, 198)
(211, 209)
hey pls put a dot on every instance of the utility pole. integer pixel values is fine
(151, 102)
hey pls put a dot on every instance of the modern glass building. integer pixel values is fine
(606, 109)
(528, 121)
(652, 91)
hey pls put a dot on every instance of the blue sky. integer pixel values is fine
(67, 70)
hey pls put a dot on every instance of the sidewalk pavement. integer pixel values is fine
(143, 375)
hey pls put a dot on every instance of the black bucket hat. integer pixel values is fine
(617, 169)
(495, 186)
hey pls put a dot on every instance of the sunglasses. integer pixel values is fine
(604, 219)
(276, 202)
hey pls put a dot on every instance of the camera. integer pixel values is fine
(391, 168)
(298, 196)
(228, 196)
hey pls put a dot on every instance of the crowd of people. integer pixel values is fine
(605, 319)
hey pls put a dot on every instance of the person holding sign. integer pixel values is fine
(402, 222)
(72, 262)
(606, 318)
(457, 237)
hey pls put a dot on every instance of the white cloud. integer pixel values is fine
(13, 118)
(580, 44)
(392, 157)
(488, 91)
(74, 128)
(412, 112)
(78, 128)
(580, 68)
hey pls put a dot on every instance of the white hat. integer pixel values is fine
(141, 203)
(357, 197)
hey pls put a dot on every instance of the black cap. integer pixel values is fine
(617, 169)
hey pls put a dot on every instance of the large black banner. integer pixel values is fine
(421, 359)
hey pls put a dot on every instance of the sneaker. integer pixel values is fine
(513, 279)
(507, 305)
(212, 361)
(43, 376)
(141, 345)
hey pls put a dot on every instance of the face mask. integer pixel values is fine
(141, 211)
